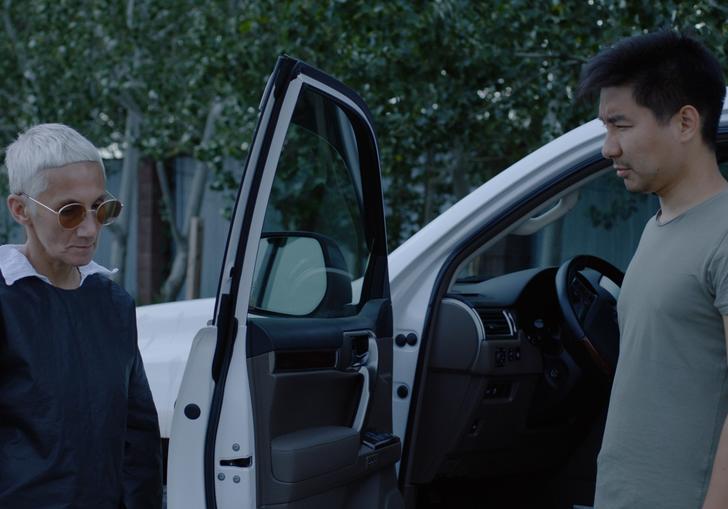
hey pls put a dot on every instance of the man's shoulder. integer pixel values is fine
(716, 205)
(705, 222)
(713, 220)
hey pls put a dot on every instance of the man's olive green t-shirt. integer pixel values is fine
(670, 392)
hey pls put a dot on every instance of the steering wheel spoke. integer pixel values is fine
(589, 310)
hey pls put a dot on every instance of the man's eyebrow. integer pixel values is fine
(613, 119)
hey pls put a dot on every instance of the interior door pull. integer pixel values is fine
(363, 356)
(359, 360)
(354, 352)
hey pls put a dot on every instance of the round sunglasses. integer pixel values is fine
(71, 216)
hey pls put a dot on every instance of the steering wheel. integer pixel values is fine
(590, 311)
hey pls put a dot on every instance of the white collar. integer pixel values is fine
(14, 266)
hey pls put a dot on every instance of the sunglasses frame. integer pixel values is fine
(86, 211)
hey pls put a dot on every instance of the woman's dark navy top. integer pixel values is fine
(78, 427)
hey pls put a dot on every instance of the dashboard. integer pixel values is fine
(501, 393)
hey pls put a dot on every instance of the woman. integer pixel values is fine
(78, 427)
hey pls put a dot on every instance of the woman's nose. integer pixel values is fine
(89, 227)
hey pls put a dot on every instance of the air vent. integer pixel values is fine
(498, 323)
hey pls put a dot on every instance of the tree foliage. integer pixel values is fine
(458, 89)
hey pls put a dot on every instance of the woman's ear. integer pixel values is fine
(19, 210)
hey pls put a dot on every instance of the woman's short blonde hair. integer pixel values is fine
(42, 147)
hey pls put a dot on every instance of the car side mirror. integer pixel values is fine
(300, 274)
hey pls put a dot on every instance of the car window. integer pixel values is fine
(314, 244)
(606, 221)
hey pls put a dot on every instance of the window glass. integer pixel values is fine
(315, 209)
(606, 221)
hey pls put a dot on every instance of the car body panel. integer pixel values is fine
(413, 282)
(166, 332)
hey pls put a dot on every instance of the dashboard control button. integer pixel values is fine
(500, 357)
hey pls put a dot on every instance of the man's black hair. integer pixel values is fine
(667, 70)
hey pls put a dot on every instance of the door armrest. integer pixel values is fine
(314, 451)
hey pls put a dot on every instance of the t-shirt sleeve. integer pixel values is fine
(717, 274)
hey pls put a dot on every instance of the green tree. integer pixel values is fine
(458, 89)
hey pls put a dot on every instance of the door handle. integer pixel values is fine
(354, 352)
(363, 357)
(359, 360)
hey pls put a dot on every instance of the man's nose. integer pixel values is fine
(611, 148)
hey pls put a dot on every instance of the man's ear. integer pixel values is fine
(689, 123)
(19, 209)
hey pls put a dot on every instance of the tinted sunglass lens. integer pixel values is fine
(71, 215)
(108, 211)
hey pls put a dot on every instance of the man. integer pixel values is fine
(666, 439)
(78, 428)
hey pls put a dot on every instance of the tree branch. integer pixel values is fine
(557, 56)
(130, 14)
(175, 280)
(10, 98)
(199, 180)
(20, 54)
(114, 229)
(129, 169)
(128, 102)
(10, 129)
(168, 203)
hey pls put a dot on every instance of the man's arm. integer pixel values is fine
(717, 497)
(142, 449)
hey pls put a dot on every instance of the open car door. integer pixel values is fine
(286, 396)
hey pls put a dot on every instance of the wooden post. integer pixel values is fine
(151, 245)
(194, 259)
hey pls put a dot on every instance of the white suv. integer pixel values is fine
(471, 365)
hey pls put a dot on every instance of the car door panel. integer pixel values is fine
(313, 380)
(234, 447)
(291, 469)
(295, 382)
(191, 414)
